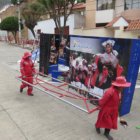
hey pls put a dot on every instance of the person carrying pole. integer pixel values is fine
(108, 114)
(27, 72)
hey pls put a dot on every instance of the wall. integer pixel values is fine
(131, 14)
(126, 34)
(3, 34)
(104, 16)
(99, 32)
(119, 7)
(79, 20)
(48, 26)
(90, 13)
(103, 32)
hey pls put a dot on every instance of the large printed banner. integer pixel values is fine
(92, 63)
(96, 62)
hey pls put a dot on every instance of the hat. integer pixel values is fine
(84, 60)
(62, 43)
(111, 42)
(89, 66)
(121, 82)
(26, 54)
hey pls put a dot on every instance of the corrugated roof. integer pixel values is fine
(134, 25)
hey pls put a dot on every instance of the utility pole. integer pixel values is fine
(19, 26)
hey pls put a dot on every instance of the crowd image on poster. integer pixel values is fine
(63, 58)
(59, 57)
(96, 62)
(59, 48)
(64, 52)
(53, 52)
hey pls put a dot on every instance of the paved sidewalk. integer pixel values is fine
(43, 117)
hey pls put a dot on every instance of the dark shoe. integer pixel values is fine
(98, 130)
(21, 90)
(31, 94)
(108, 136)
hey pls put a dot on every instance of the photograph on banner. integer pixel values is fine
(64, 51)
(63, 57)
(53, 52)
(59, 57)
(96, 62)
(53, 55)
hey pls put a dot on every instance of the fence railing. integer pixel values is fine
(24, 43)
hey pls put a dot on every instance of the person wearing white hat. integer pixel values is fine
(110, 55)
(108, 67)
(108, 114)
(83, 72)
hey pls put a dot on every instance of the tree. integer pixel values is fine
(82, 1)
(58, 8)
(11, 25)
(32, 14)
(15, 1)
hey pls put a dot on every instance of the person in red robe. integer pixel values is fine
(108, 114)
(27, 71)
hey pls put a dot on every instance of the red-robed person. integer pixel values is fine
(27, 71)
(108, 114)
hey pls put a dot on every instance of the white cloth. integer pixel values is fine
(109, 58)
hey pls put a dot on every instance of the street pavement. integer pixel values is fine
(43, 117)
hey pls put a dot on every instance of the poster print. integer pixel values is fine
(53, 51)
(63, 58)
(59, 57)
(96, 62)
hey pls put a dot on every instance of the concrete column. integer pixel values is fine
(90, 13)
(119, 7)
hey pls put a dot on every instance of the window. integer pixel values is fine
(101, 24)
(105, 4)
(66, 30)
(132, 4)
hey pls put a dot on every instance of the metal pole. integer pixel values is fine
(80, 108)
(19, 27)
(71, 85)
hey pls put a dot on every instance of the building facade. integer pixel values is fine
(93, 18)
(75, 20)
(103, 12)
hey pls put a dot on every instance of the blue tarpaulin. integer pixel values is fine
(35, 55)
